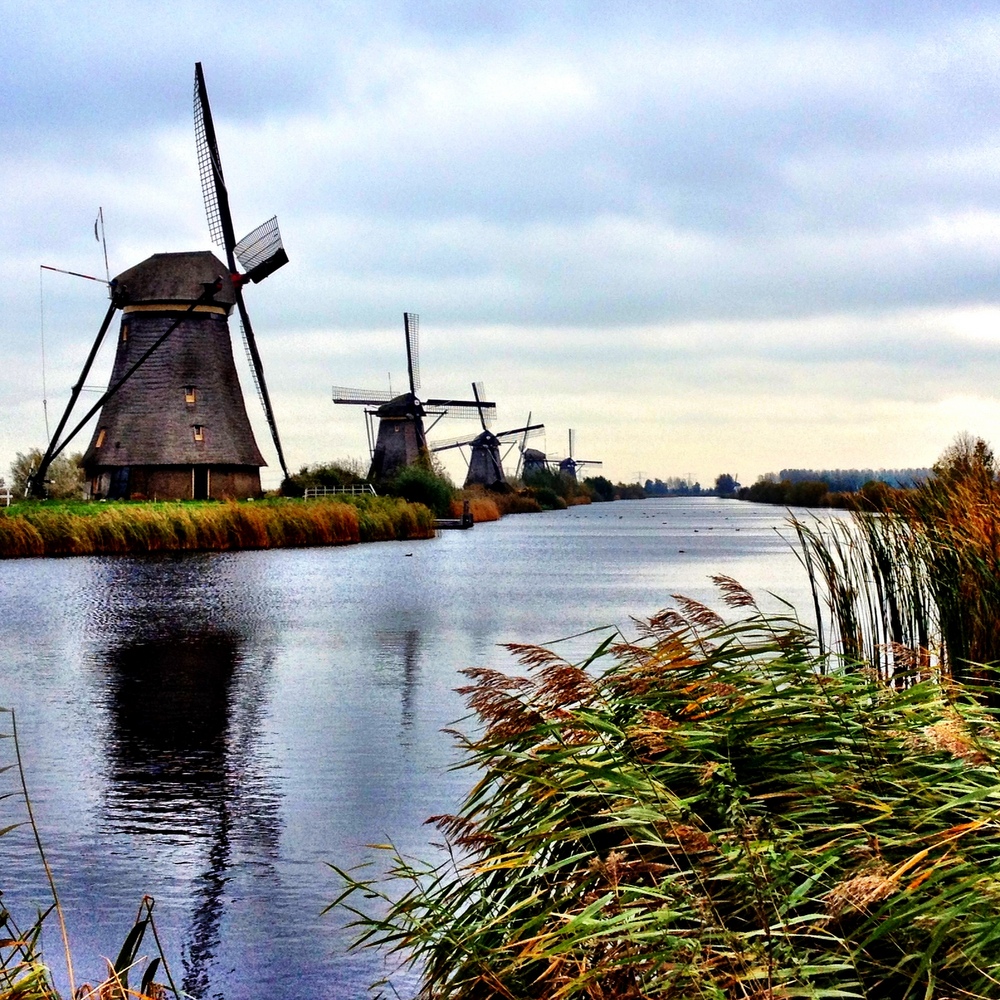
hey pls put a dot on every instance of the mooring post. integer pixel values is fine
(466, 514)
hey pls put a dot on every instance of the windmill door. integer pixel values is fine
(200, 484)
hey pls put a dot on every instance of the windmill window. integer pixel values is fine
(101, 435)
(199, 432)
(124, 333)
(189, 395)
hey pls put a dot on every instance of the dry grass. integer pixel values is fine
(481, 508)
(45, 529)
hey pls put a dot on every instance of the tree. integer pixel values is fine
(726, 485)
(966, 458)
(63, 481)
(602, 489)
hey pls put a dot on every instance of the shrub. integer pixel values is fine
(419, 485)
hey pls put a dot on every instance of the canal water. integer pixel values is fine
(212, 729)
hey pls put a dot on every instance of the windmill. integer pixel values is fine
(173, 422)
(402, 438)
(569, 465)
(485, 463)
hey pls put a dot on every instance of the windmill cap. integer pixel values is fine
(176, 277)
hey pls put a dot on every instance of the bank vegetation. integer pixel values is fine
(53, 528)
(730, 803)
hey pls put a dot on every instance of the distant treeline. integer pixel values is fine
(832, 488)
(850, 480)
(674, 486)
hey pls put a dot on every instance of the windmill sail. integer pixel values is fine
(261, 252)
(263, 245)
(402, 438)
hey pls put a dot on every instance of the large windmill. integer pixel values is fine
(402, 438)
(569, 465)
(173, 423)
(485, 462)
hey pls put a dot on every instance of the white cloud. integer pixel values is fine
(696, 235)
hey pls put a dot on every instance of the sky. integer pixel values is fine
(709, 236)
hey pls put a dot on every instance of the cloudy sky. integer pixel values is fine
(711, 237)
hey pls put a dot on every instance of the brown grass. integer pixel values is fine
(35, 529)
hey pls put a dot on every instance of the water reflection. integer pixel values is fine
(402, 666)
(167, 700)
(184, 686)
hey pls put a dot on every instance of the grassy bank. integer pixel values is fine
(60, 529)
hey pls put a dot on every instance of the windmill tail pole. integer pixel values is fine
(36, 481)
(208, 295)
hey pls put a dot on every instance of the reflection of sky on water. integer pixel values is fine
(211, 729)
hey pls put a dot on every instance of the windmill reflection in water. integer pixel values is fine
(184, 696)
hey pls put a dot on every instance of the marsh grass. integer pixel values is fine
(713, 810)
(23, 973)
(46, 529)
(916, 585)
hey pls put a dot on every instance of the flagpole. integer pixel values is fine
(103, 241)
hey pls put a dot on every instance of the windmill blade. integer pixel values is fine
(411, 328)
(258, 370)
(453, 443)
(261, 251)
(479, 391)
(532, 430)
(520, 450)
(220, 226)
(213, 184)
(367, 397)
(465, 409)
(572, 436)
(487, 411)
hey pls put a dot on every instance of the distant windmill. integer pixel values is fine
(485, 463)
(569, 465)
(173, 423)
(402, 438)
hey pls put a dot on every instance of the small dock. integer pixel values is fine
(462, 523)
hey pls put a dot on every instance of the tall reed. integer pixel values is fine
(23, 973)
(917, 583)
(715, 812)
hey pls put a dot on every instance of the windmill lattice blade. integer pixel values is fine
(369, 397)
(411, 325)
(453, 442)
(466, 409)
(258, 368)
(479, 391)
(209, 164)
(531, 431)
(261, 252)
(460, 442)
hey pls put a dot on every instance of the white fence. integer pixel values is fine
(358, 489)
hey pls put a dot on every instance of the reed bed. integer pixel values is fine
(916, 584)
(23, 973)
(710, 811)
(101, 529)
